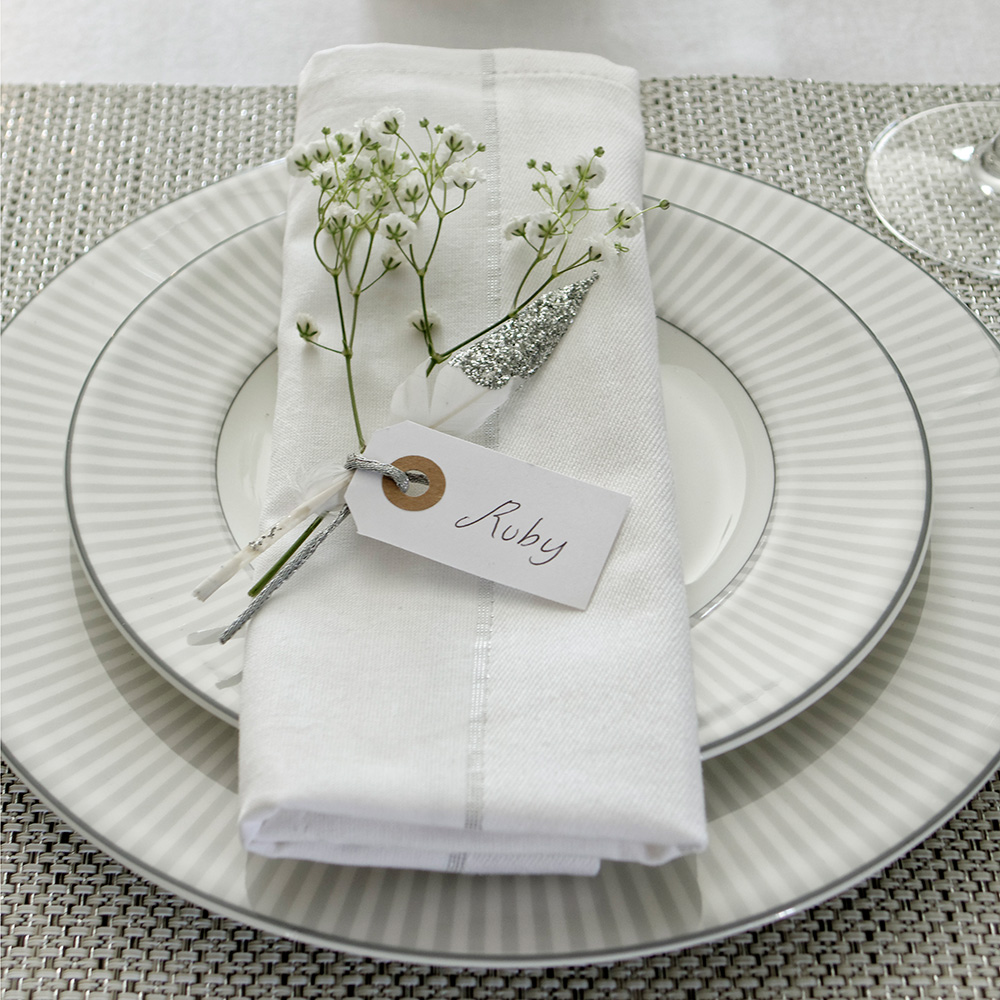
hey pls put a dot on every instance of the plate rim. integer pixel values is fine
(858, 640)
(295, 932)
(909, 579)
(138, 643)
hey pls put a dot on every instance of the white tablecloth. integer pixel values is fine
(223, 42)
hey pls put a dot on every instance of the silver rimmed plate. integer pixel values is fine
(795, 816)
(160, 435)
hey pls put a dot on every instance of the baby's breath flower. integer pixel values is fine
(388, 121)
(516, 227)
(340, 215)
(412, 188)
(298, 160)
(386, 158)
(366, 131)
(625, 219)
(392, 257)
(305, 325)
(461, 175)
(417, 321)
(567, 180)
(375, 192)
(372, 197)
(398, 228)
(362, 166)
(543, 226)
(456, 140)
(318, 150)
(587, 169)
(603, 247)
(347, 142)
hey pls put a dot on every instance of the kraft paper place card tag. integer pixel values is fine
(488, 514)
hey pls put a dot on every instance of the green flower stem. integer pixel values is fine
(325, 347)
(329, 270)
(440, 357)
(354, 401)
(357, 289)
(437, 358)
(428, 339)
(437, 236)
(348, 354)
(364, 288)
(421, 279)
(539, 256)
(400, 138)
(276, 568)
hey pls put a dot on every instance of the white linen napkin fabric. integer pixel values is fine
(399, 713)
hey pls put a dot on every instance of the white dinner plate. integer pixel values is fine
(795, 816)
(161, 461)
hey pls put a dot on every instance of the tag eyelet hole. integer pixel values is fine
(419, 496)
(419, 483)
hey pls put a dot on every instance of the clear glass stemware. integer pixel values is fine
(934, 181)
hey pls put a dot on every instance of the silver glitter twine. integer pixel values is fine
(520, 346)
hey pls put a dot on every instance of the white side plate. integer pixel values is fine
(848, 521)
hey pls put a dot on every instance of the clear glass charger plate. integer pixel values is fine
(164, 475)
(795, 816)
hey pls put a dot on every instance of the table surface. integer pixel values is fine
(78, 924)
(176, 41)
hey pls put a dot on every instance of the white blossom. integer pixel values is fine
(567, 180)
(412, 188)
(588, 169)
(347, 142)
(372, 197)
(516, 228)
(340, 215)
(297, 159)
(386, 157)
(362, 165)
(366, 131)
(625, 219)
(456, 140)
(318, 149)
(306, 326)
(392, 257)
(388, 121)
(602, 247)
(416, 320)
(543, 225)
(461, 175)
(398, 228)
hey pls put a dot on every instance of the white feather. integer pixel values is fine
(446, 400)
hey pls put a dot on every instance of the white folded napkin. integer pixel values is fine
(399, 713)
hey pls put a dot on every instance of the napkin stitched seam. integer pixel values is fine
(486, 590)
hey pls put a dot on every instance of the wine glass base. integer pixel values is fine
(918, 180)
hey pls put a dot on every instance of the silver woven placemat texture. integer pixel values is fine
(80, 162)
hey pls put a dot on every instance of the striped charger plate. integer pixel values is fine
(795, 816)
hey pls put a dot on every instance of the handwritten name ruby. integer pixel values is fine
(505, 530)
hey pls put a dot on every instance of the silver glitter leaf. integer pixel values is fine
(520, 346)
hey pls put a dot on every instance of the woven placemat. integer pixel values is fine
(80, 162)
